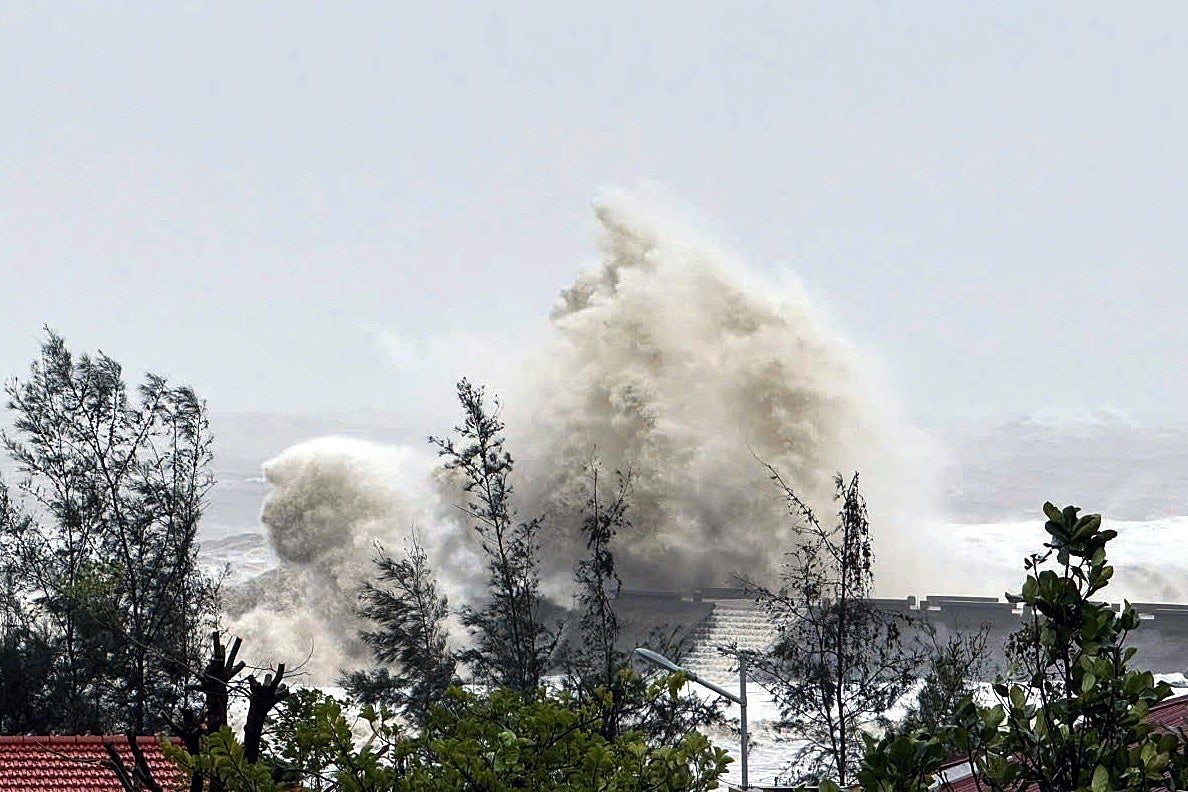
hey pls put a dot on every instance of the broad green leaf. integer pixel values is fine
(1101, 780)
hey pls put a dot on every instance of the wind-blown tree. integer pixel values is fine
(407, 636)
(101, 548)
(513, 643)
(838, 662)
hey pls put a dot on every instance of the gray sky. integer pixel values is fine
(252, 196)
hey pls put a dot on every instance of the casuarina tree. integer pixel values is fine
(839, 662)
(513, 644)
(406, 633)
(100, 537)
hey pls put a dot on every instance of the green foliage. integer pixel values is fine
(597, 672)
(550, 742)
(408, 636)
(838, 662)
(900, 763)
(607, 729)
(500, 741)
(594, 659)
(594, 665)
(310, 744)
(98, 545)
(513, 645)
(1074, 714)
(222, 758)
(26, 660)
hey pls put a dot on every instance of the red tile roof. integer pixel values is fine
(76, 764)
(1170, 713)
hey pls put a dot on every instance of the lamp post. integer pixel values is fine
(741, 699)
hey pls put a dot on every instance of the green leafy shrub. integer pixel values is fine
(1073, 715)
(502, 740)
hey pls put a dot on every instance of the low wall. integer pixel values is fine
(647, 614)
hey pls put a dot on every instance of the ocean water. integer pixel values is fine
(994, 477)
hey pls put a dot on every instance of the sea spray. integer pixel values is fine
(670, 359)
(666, 358)
(332, 501)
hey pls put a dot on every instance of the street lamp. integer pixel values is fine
(741, 699)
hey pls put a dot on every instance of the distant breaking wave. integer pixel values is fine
(667, 358)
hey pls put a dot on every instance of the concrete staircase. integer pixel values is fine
(739, 623)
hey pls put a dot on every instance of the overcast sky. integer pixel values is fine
(268, 200)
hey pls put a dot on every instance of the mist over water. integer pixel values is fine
(668, 358)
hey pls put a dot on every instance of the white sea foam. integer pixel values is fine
(667, 357)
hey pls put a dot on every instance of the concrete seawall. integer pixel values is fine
(1162, 637)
